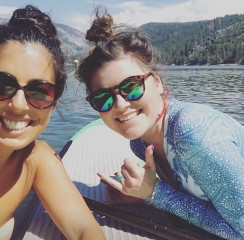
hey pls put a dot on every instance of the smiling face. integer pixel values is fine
(131, 119)
(20, 123)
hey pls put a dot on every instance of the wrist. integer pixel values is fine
(149, 200)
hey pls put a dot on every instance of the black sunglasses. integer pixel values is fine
(132, 89)
(39, 94)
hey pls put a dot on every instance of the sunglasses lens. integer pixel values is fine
(40, 94)
(7, 86)
(132, 89)
(102, 101)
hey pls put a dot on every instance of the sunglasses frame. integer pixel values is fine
(141, 79)
(25, 89)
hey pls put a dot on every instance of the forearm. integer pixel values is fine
(196, 211)
(84, 227)
(92, 232)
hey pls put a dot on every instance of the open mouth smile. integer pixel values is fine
(14, 125)
(129, 116)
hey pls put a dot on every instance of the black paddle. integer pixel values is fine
(144, 224)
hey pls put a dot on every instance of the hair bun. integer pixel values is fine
(101, 29)
(32, 19)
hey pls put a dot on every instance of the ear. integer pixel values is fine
(159, 83)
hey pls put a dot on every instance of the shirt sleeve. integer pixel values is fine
(209, 150)
(219, 172)
(207, 144)
(196, 211)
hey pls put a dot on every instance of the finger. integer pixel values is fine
(112, 182)
(126, 173)
(130, 169)
(120, 177)
(149, 158)
(131, 176)
(130, 165)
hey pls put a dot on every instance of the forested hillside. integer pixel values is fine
(217, 41)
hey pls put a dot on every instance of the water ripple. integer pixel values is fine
(221, 87)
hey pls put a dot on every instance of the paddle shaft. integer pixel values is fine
(131, 219)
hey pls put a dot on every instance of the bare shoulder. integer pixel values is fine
(43, 150)
(42, 145)
(42, 153)
(45, 156)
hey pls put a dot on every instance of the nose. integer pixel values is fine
(18, 101)
(120, 102)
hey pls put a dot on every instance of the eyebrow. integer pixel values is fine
(31, 80)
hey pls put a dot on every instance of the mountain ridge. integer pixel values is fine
(201, 42)
(73, 41)
(216, 41)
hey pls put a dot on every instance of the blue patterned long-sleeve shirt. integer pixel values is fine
(205, 150)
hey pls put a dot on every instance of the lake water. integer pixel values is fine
(221, 87)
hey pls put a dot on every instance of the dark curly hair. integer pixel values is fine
(110, 44)
(29, 24)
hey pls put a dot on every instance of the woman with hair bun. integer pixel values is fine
(32, 78)
(196, 151)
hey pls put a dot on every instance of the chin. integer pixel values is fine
(130, 135)
(16, 144)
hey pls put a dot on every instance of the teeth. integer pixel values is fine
(128, 117)
(14, 125)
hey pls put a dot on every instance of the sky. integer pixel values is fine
(79, 13)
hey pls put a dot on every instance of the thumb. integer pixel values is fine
(149, 158)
